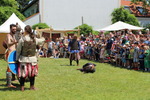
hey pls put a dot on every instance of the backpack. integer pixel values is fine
(4, 44)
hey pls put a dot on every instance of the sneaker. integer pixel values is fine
(128, 67)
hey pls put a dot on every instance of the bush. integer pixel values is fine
(95, 32)
(40, 26)
(85, 29)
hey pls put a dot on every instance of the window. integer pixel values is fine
(32, 11)
(142, 11)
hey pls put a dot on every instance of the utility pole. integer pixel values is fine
(82, 20)
(41, 7)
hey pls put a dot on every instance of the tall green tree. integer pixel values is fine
(120, 14)
(9, 3)
(7, 7)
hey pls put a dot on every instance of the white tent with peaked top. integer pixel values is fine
(5, 28)
(13, 19)
(120, 26)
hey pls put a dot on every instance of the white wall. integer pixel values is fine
(143, 21)
(33, 20)
(66, 14)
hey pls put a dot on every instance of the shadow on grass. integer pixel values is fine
(2, 56)
(3, 79)
(12, 89)
(67, 65)
(3, 87)
(131, 69)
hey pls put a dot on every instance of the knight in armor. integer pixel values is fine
(26, 56)
(74, 48)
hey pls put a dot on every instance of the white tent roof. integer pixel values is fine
(13, 19)
(120, 26)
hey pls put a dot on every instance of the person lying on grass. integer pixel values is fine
(88, 68)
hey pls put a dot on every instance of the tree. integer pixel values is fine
(85, 29)
(40, 26)
(120, 14)
(10, 3)
(7, 8)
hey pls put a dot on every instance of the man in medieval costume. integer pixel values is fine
(74, 48)
(11, 46)
(26, 56)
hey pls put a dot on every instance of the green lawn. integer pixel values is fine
(59, 81)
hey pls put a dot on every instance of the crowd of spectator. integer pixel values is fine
(121, 48)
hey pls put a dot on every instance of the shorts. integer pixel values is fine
(49, 50)
(123, 60)
(135, 60)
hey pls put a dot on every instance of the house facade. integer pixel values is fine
(68, 14)
(137, 10)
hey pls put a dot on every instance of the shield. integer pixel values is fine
(13, 65)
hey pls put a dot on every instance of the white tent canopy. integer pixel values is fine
(120, 26)
(13, 19)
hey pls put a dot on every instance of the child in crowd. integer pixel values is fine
(131, 56)
(127, 55)
(82, 49)
(141, 57)
(147, 58)
(96, 52)
(124, 56)
(41, 53)
(136, 56)
(65, 52)
(102, 51)
(85, 50)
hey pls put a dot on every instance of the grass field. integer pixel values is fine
(59, 81)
